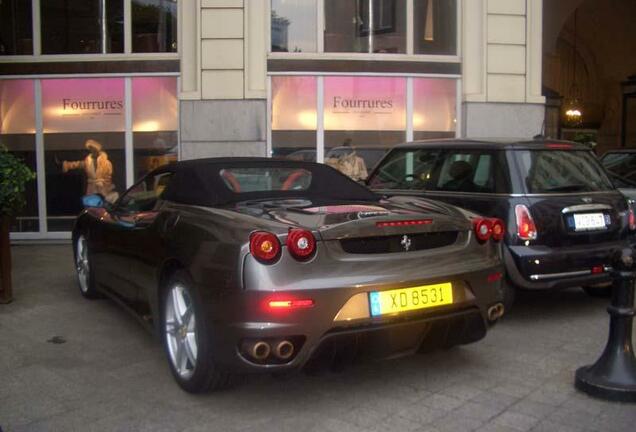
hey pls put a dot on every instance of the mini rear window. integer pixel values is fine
(264, 179)
(452, 170)
(557, 171)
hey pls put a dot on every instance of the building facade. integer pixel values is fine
(157, 80)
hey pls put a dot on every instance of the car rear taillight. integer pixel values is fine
(264, 246)
(301, 243)
(483, 228)
(631, 217)
(526, 228)
(498, 230)
(287, 304)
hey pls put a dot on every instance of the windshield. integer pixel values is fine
(261, 179)
(554, 171)
(452, 170)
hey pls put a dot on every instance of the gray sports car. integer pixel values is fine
(258, 265)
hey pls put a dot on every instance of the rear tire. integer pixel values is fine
(186, 338)
(598, 291)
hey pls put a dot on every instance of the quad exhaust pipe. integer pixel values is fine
(284, 350)
(261, 350)
(495, 312)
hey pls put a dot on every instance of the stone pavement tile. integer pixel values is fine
(534, 409)
(494, 427)
(422, 414)
(22, 409)
(454, 423)
(549, 426)
(442, 403)
(477, 411)
(365, 417)
(334, 425)
(396, 423)
(548, 396)
(574, 418)
(520, 422)
(495, 399)
(461, 391)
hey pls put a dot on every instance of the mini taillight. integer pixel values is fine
(283, 304)
(264, 246)
(483, 228)
(631, 217)
(498, 229)
(561, 146)
(526, 229)
(301, 243)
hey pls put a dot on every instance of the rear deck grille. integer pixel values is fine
(396, 243)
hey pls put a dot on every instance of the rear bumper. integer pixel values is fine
(541, 267)
(317, 333)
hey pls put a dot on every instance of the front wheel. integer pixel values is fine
(83, 268)
(186, 339)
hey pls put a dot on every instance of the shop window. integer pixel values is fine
(293, 26)
(365, 26)
(17, 134)
(155, 117)
(16, 29)
(84, 138)
(82, 26)
(434, 108)
(435, 27)
(364, 117)
(154, 26)
(294, 118)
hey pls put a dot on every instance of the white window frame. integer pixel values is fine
(320, 53)
(43, 233)
(320, 128)
(37, 55)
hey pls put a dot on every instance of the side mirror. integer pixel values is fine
(94, 200)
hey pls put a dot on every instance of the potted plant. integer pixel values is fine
(14, 175)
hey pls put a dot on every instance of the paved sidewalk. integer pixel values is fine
(108, 374)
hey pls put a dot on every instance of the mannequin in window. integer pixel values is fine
(98, 170)
(348, 162)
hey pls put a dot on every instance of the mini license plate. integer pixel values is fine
(408, 299)
(589, 221)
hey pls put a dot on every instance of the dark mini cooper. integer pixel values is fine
(564, 215)
(258, 265)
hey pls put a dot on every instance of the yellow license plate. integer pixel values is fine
(408, 299)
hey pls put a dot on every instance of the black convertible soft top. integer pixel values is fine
(199, 182)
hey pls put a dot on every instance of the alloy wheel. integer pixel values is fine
(180, 329)
(81, 263)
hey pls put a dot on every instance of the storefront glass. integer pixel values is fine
(362, 117)
(294, 118)
(365, 26)
(82, 26)
(434, 107)
(293, 26)
(155, 116)
(435, 27)
(17, 134)
(16, 30)
(154, 26)
(84, 141)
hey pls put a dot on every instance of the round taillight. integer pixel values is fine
(264, 246)
(483, 229)
(498, 229)
(301, 243)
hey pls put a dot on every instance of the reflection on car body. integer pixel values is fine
(260, 265)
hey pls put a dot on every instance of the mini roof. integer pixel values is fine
(493, 143)
(198, 182)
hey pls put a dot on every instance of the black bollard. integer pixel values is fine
(613, 376)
